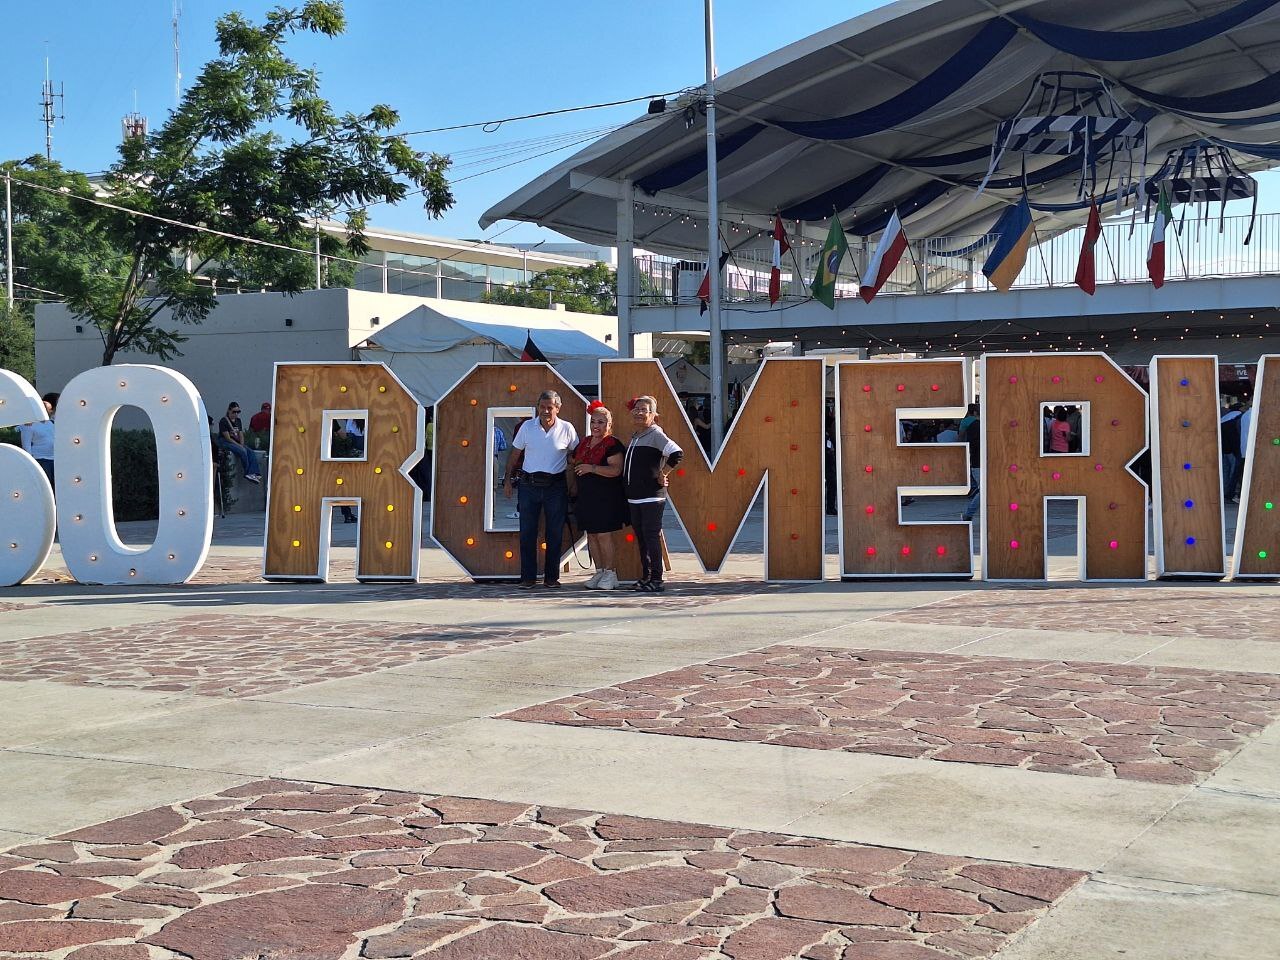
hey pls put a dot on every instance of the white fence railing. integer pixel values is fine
(1211, 247)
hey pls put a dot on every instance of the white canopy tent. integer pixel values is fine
(433, 347)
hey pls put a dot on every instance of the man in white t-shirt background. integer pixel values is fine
(540, 450)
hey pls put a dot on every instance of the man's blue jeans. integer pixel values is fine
(553, 502)
(248, 459)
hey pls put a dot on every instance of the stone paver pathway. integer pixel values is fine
(232, 655)
(1132, 722)
(291, 870)
(1224, 613)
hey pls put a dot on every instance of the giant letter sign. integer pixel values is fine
(1189, 521)
(1020, 476)
(26, 499)
(307, 481)
(877, 469)
(91, 548)
(462, 489)
(776, 442)
(1258, 526)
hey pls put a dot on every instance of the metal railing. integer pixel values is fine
(1194, 248)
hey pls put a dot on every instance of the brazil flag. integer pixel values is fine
(833, 251)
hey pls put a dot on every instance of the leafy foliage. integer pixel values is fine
(592, 289)
(17, 342)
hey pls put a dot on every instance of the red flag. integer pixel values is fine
(1085, 278)
(531, 353)
(704, 288)
(780, 247)
(893, 243)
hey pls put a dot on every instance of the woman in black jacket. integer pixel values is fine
(651, 456)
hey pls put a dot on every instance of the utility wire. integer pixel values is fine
(491, 125)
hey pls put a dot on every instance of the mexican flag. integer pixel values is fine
(833, 251)
(1155, 252)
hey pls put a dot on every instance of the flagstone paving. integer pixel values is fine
(285, 869)
(1224, 613)
(1159, 724)
(234, 655)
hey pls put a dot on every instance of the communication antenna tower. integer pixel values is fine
(133, 126)
(51, 112)
(177, 63)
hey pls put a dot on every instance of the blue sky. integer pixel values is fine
(438, 63)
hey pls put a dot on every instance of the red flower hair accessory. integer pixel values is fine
(631, 403)
(594, 405)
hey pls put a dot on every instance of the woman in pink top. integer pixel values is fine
(1060, 432)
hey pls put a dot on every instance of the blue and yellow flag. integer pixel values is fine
(1013, 239)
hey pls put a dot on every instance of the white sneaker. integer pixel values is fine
(594, 580)
(609, 581)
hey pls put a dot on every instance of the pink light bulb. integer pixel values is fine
(1014, 544)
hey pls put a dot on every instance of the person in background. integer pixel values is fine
(949, 433)
(541, 447)
(1060, 431)
(260, 422)
(601, 505)
(829, 465)
(1229, 429)
(37, 438)
(1246, 417)
(353, 432)
(972, 435)
(231, 437)
(651, 456)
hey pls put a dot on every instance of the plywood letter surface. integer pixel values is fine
(460, 458)
(306, 484)
(1258, 529)
(1190, 540)
(1018, 477)
(876, 470)
(776, 440)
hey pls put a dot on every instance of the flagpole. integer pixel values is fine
(713, 241)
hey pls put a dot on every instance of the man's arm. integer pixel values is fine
(514, 459)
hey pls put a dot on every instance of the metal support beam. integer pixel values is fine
(626, 266)
(713, 244)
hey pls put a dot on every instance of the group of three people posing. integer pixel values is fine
(613, 485)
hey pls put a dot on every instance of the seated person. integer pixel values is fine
(231, 437)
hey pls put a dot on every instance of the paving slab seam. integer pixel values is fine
(1147, 653)
(987, 636)
(249, 774)
(875, 616)
(1172, 888)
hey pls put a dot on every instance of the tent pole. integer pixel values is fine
(713, 243)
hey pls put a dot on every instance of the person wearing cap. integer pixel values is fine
(260, 422)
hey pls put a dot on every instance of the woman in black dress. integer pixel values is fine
(601, 508)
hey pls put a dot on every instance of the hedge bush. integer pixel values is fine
(135, 481)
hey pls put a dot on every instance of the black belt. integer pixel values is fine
(539, 479)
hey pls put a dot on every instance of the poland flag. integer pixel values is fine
(888, 252)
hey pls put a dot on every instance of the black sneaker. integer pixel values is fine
(552, 584)
(655, 586)
(640, 586)
(528, 584)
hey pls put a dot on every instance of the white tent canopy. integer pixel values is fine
(433, 347)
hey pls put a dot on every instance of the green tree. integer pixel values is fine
(253, 150)
(592, 289)
(17, 342)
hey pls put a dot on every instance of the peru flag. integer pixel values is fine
(1085, 277)
(780, 247)
(888, 252)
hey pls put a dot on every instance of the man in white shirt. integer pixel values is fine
(541, 451)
